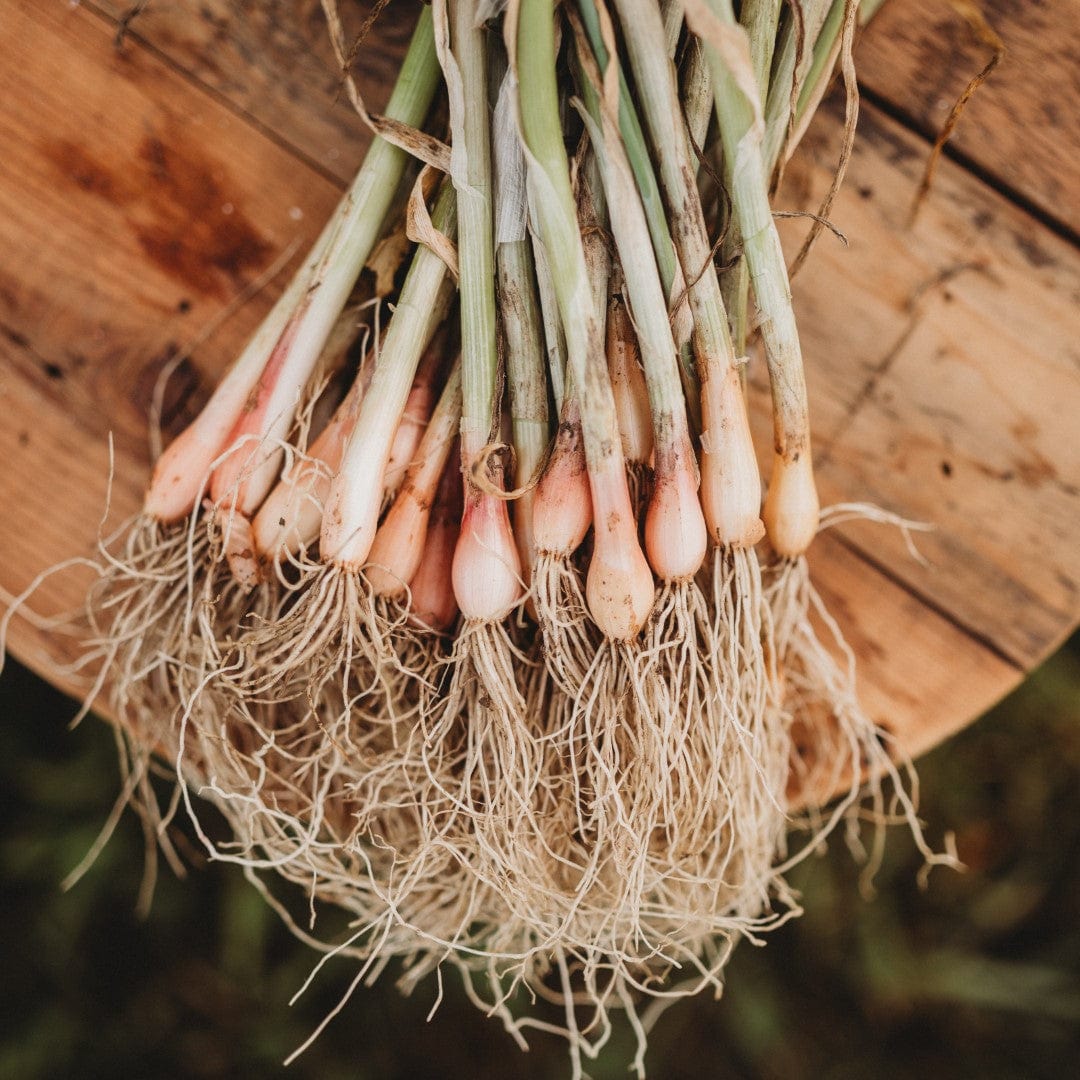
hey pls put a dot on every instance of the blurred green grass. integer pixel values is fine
(976, 976)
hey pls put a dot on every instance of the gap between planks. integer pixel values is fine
(987, 177)
(930, 604)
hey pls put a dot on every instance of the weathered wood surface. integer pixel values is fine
(1022, 127)
(943, 371)
(945, 379)
(133, 207)
(271, 61)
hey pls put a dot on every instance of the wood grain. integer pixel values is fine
(1022, 127)
(947, 344)
(271, 61)
(919, 674)
(132, 209)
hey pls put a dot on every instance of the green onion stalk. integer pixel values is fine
(242, 428)
(332, 624)
(671, 272)
(709, 666)
(850, 747)
(791, 506)
(485, 805)
(619, 585)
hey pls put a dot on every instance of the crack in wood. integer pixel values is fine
(916, 308)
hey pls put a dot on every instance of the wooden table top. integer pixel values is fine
(143, 185)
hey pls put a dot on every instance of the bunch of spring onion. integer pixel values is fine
(460, 598)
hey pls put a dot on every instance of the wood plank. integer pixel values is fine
(272, 61)
(945, 382)
(918, 674)
(1022, 126)
(132, 210)
(112, 158)
(81, 273)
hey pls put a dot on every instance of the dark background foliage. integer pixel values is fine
(978, 975)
